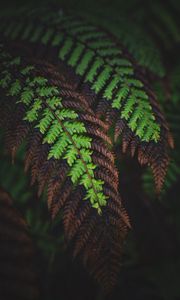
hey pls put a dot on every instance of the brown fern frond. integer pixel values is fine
(98, 146)
(56, 182)
(108, 166)
(119, 128)
(84, 233)
(80, 215)
(62, 198)
(70, 208)
(16, 130)
(96, 132)
(18, 272)
(95, 244)
(38, 161)
(105, 176)
(45, 173)
(55, 173)
(94, 120)
(34, 141)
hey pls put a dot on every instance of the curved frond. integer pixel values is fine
(99, 65)
(68, 151)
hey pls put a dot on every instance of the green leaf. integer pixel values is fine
(71, 155)
(33, 113)
(59, 147)
(27, 96)
(53, 133)
(77, 171)
(15, 88)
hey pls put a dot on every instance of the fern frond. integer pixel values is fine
(114, 79)
(17, 255)
(172, 115)
(104, 69)
(70, 153)
(172, 177)
(140, 45)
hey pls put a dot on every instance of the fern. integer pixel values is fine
(171, 106)
(134, 37)
(119, 91)
(172, 176)
(69, 152)
(66, 137)
(101, 63)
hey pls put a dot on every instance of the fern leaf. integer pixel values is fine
(125, 73)
(69, 159)
(118, 90)
(106, 69)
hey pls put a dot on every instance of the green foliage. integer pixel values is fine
(102, 64)
(67, 137)
(134, 37)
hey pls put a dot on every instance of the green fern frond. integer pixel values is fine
(104, 68)
(141, 46)
(67, 138)
(103, 64)
(67, 86)
(70, 154)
